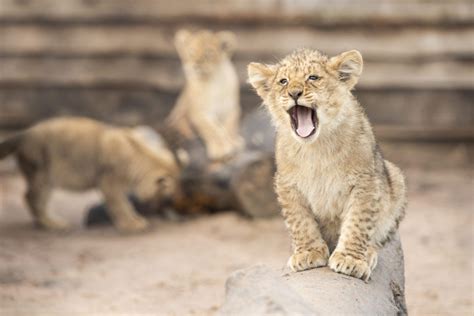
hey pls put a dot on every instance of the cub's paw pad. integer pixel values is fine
(308, 259)
(347, 264)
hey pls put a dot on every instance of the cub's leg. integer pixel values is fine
(178, 119)
(219, 145)
(37, 197)
(119, 208)
(232, 124)
(38, 190)
(355, 254)
(309, 248)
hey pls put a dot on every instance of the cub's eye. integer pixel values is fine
(313, 77)
(283, 81)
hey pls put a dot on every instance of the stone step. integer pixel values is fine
(401, 114)
(286, 11)
(166, 73)
(261, 41)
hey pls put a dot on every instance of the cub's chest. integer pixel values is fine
(222, 95)
(325, 188)
(224, 86)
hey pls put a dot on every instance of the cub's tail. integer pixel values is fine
(10, 145)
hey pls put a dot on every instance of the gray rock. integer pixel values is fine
(259, 290)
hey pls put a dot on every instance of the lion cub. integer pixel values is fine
(80, 154)
(336, 191)
(209, 102)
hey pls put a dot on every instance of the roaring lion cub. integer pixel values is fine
(209, 102)
(80, 154)
(336, 191)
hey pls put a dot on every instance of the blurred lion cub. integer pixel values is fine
(336, 191)
(209, 102)
(80, 154)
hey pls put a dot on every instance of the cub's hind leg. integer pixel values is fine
(232, 124)
(38, 191)
(37, 196)
(119, 208)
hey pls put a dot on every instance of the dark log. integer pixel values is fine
(244, 184)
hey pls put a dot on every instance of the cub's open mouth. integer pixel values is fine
(304, 120)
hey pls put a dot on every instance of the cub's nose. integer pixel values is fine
(295, 93)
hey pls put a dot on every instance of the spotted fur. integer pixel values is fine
(340, 199)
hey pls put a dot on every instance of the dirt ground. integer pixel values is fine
(179, 268)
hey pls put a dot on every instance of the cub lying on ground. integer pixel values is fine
(336, 191)
(209, 103)
(80, 154)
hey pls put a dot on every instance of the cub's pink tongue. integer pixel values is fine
(305, 121)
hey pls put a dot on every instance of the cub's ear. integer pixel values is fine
(181, 38)
(228, 41)
(349, 66)
(260, 76)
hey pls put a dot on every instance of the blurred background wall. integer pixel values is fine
(115, 60)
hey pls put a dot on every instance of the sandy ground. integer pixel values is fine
(179, 268)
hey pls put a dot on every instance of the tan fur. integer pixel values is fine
(80, 154)
(209, 102)
(336, 191)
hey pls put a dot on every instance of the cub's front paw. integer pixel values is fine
(347, 264)
(308, 259)
(133, 225)
(53, 224)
